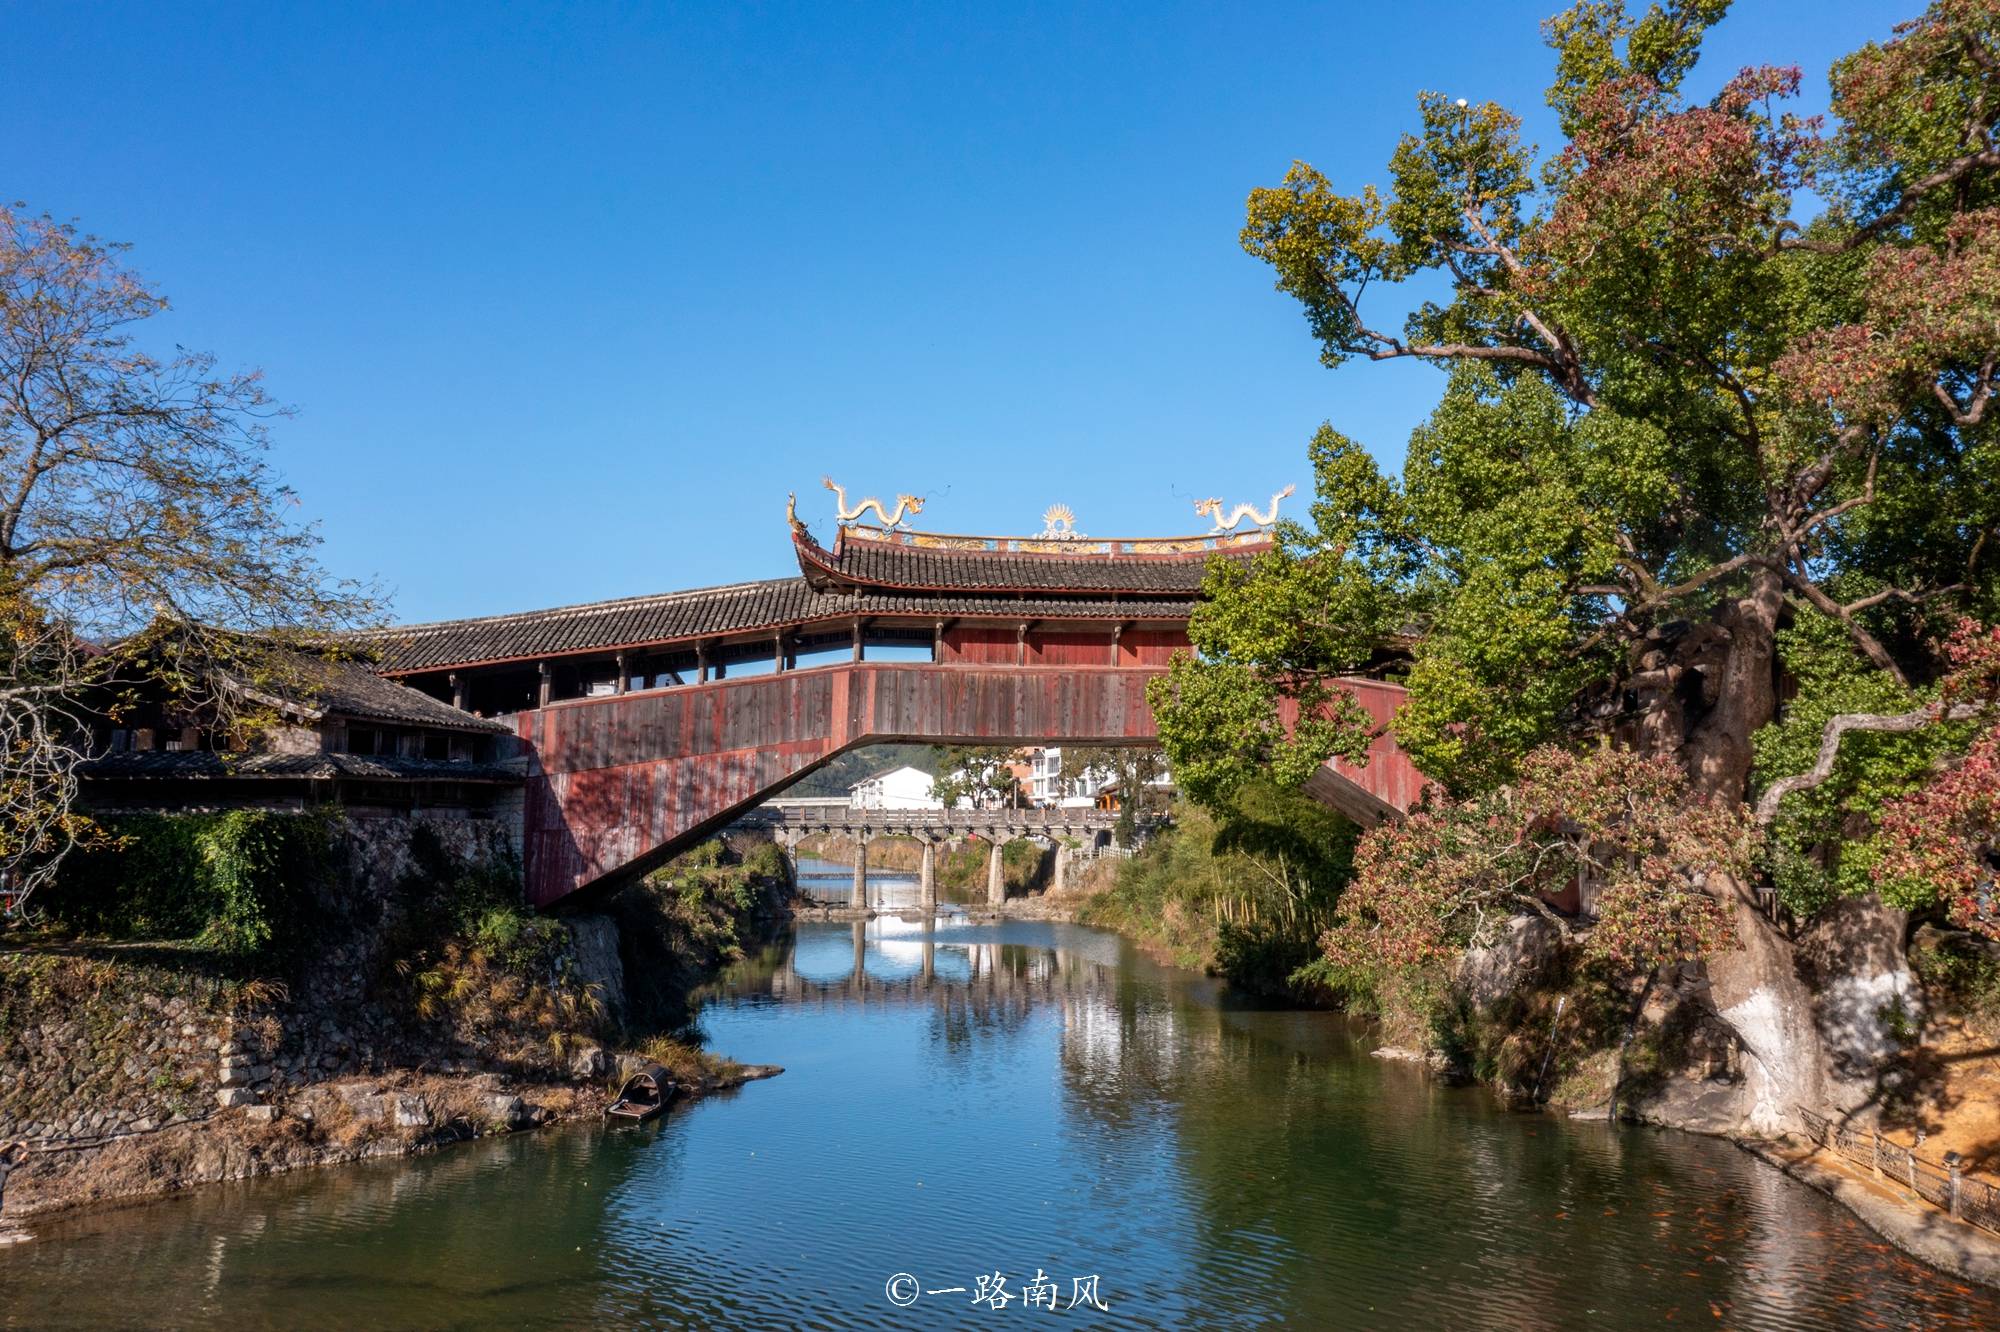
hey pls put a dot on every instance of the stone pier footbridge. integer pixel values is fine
(790, 821)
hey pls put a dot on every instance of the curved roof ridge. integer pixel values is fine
(577, 607)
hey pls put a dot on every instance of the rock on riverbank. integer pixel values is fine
(328, 1123)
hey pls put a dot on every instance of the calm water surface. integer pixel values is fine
(1009, 1098)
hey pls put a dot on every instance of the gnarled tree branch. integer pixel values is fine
(1829, 746)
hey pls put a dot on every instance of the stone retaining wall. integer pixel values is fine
(114, 1040)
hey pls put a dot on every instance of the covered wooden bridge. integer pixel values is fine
(649, 722)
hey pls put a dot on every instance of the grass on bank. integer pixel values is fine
(1244, 894)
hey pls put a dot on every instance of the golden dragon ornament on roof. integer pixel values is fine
(1212, 508)
(907, 506)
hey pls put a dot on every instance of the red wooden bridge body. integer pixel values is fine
(639, 740)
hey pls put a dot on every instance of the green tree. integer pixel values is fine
(1712, 366)
(1128, 771)
(979, 774)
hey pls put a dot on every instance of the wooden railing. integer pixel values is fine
(892, 820)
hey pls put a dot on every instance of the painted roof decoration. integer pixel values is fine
(1059, 523)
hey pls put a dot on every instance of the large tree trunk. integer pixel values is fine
(1740, 691)
(1755, 988)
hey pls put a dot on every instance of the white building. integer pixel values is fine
(1049, 787)
(898, 788)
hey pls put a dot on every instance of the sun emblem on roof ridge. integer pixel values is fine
(1059, 523)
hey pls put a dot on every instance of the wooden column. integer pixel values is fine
(860, 652)
(457, 690)
(937, 643)
(624, 675)
(701, 663)
(778, 652)
(1021, 644)
(542, 687)
(1117, 632)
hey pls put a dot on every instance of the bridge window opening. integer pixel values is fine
(899, 651)
(502, 692)
(821, 650)
(745, 667)
(437, 747)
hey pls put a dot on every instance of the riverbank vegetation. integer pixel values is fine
(1244, 892)
(1690, 573)
(685, 921)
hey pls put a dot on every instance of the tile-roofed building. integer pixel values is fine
(1049, 600)
(675, 617)
(209, 765)
(332, 729)
(918, 561)
(319, 688)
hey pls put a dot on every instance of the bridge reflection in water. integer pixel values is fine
(888, 961)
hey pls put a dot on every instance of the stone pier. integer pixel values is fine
(996, 883)
(927, 879)
(859, 898)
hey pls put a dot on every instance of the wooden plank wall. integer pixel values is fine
(620, 782)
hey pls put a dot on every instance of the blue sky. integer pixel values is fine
(569, 298)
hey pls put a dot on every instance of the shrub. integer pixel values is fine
(240, 882)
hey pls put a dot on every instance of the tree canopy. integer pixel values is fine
(140, 525)
(1713, 366)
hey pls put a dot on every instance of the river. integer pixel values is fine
(1014, 1099)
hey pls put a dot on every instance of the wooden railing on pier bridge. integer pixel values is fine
(807, 817)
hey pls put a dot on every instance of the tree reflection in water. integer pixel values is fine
(972, 1096)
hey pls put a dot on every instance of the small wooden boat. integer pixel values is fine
(644, 1095)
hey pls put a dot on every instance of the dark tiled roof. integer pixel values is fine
(353, 689)
(891, 565)
(202, 764)
(706, 612)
